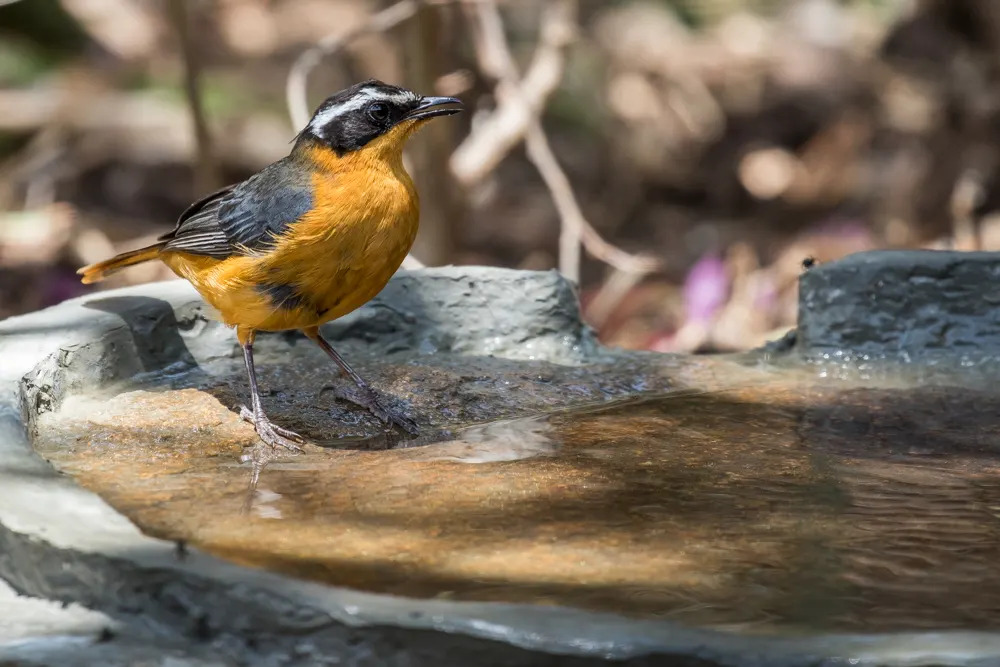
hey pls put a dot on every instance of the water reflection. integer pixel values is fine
(507, 440)
(791, 508)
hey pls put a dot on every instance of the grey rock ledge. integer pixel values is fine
(902, 304)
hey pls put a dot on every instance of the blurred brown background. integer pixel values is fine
(699, 149)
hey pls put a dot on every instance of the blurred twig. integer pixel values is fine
(495, 60)
(516, 118)
(967, 195)
(206, 174)
(614, 289)
(296, 89)
(483, 150)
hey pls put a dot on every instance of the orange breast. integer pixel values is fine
(333, 260)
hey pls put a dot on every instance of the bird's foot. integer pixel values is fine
(272, 435)
(368, 398)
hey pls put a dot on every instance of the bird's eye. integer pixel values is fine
(378, 112)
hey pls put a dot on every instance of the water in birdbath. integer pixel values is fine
(774, 502)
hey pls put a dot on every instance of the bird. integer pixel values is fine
(307, 239)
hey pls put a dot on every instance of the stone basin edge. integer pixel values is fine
(88, 553)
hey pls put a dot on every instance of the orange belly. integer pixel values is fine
(327, 264)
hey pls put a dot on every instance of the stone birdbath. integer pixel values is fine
(833, 498)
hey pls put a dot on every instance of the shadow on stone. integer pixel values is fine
(155, 330)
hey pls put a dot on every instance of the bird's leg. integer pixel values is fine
(366, 396)
(272, 435)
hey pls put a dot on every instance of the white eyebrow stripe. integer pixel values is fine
(323, 118)
(398, 98)
(362, 98)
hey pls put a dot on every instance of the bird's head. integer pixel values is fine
(375, 115)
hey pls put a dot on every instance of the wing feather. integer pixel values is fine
(245, 217)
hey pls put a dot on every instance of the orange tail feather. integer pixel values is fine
(100, 270)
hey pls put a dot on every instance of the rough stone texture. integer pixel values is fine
(439, 391)
(902, 303)
(59, 542)
(113, 336)
(36, 631)
(474, 311)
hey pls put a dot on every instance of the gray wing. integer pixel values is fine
(245, 216)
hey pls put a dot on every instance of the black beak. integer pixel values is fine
(428, 108)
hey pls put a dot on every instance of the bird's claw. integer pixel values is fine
(271, 434)
(368, 398)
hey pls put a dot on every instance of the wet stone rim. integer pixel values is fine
(59, 542)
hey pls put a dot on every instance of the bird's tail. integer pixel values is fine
(100, 270)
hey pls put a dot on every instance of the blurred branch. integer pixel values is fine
(28, 110)
(495, 59)
(614, 289)
(483, 150)
(129, 29)
(297, 90)
(969, 192)
(540, 153)
(206, 174)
